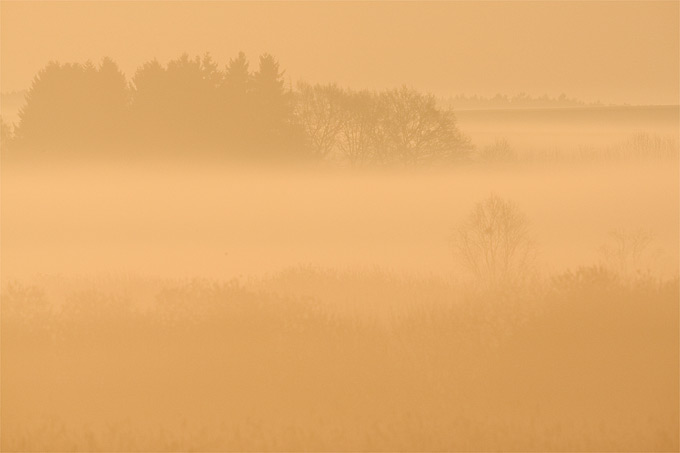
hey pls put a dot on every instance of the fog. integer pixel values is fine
(339, 226)
(224, 221)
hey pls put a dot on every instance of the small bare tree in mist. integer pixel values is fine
(494, 243)
(629, 253)
(498, 151)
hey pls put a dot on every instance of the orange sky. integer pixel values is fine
(608, 51)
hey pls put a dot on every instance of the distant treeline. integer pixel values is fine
(192, 105)
(518, 101)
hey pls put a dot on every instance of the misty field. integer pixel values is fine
(339, 226)
(220, 221)
(165, 307)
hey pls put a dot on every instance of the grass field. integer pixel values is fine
(314, 359)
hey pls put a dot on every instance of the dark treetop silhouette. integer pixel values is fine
(191, 106)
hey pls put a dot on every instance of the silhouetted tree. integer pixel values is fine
(417, 131)
(321, 113)
(192, 105)
(237, 77)
(361, 136)
(212, 80)
(71, 105)
(271, 101)
(192, 91)
(238, 111)
(178, 104)
(112, 98)
(151, 102)
(191, 102)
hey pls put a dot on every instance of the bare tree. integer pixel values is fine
(416, 130)
(628, 253)
(319, 110)
(360, 136)
(494, 243)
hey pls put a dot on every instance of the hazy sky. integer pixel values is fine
(608, 51)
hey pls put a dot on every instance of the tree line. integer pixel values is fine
(192, 105)
(518, 101)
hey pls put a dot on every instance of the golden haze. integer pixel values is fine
(339, 226)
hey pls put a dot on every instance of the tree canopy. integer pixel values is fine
(192, 104)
